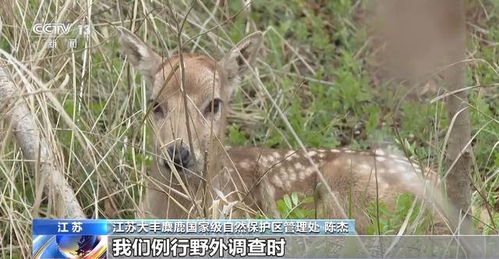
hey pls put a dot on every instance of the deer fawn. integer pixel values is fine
(190, 97)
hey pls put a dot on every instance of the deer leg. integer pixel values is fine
(267, 198)
(324, 204)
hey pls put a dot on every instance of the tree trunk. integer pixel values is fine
(36, 148)
(426, 45)
(458, 148)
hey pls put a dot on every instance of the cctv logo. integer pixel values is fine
(59, 29)
(51, 28)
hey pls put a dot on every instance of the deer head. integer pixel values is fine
(189, 102)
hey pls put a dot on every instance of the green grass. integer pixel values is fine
(318, 67)
(390, 220)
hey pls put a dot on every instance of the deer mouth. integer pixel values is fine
(187, 171)
(180, 166)
(179, 157)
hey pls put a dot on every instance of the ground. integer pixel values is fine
(319, 65)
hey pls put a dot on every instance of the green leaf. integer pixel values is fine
(287, 200)
(281, 207)
(294, 198)
(307, 200)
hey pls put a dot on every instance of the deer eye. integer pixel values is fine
(156, 107)
(213, 107)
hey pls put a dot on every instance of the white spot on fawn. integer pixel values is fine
(380, 152)
(263, 159)
(402, 161)
(277, 181)
(402, 168)
(245, 165)
(305, 173)
(380, 159)
(291, 155)
(312, 153)
(299, 166)
(365, 167)
(410, 178)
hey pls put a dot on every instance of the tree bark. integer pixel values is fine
(458, 157)
(426, 45)
(36, 148)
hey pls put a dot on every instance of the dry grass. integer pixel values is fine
(90, 105)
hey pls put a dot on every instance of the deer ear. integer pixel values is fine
(237, 61)
(142, 57)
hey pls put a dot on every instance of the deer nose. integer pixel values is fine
(180, 156)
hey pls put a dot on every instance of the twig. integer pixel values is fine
(35, 147)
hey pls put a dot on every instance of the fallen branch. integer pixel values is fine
(36, 148)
